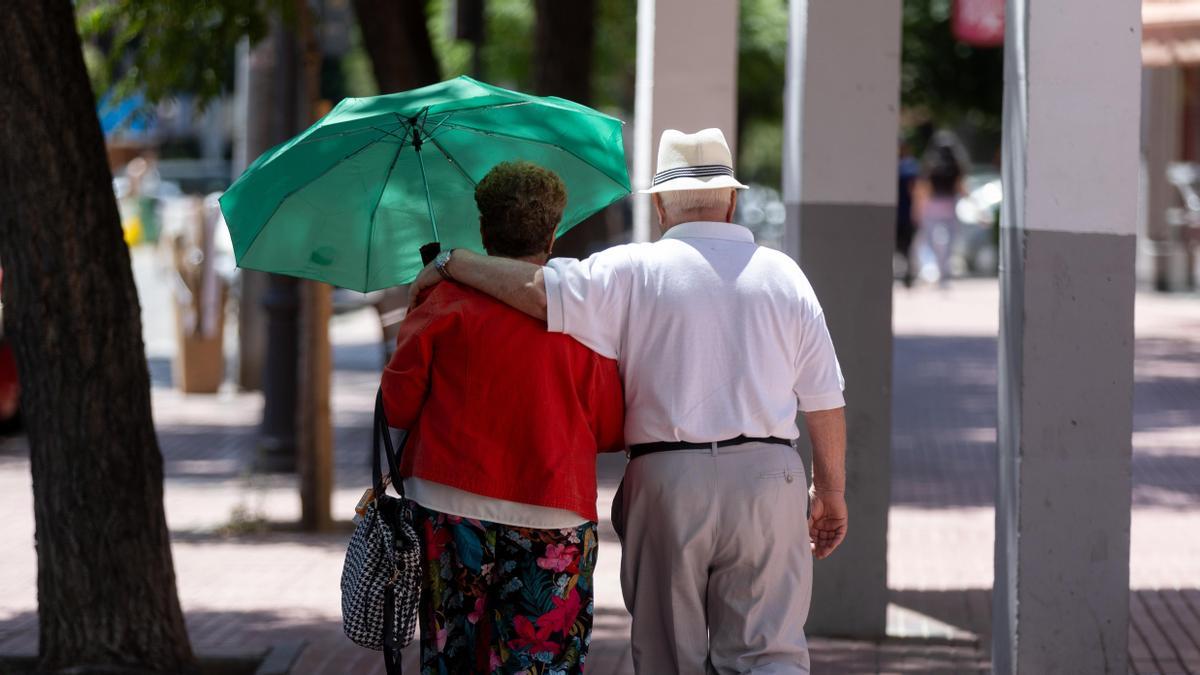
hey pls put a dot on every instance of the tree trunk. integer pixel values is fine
(564, 38)
(314, 419)
(396, 36)
(106, 584)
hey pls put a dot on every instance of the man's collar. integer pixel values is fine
(710, 230)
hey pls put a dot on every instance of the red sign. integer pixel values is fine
(979, 23)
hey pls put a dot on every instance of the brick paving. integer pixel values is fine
(944, 411)
(247, 588)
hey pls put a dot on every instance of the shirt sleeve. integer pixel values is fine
(589, 299)
(608, 406)
(406, 378)
(819, 382)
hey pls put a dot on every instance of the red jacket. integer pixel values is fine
(499, 407)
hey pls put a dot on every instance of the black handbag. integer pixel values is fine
(381, 578)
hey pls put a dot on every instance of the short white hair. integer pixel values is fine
(684, 202)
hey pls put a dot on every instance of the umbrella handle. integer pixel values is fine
(430, 251)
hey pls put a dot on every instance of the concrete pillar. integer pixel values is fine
(1061, 601)
(686, 80)
(839, 184)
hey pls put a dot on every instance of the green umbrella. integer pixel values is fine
(351, 200)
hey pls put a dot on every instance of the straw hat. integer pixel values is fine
(699, 161)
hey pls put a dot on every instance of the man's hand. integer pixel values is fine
(827, 520)
(516, 283)
(426, 279)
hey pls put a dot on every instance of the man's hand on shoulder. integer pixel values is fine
(827, 521)
(516, 283)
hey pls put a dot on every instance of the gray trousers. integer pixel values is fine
(716, 567)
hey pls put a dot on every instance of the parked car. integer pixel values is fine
(10, 390)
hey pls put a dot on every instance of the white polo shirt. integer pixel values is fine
(715, 336)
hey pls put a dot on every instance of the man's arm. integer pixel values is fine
(516, 283)
(828, 516)
(607, 405)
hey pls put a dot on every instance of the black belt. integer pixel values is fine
(639, 449)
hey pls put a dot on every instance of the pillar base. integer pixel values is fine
(846, 253)
(1061, 599)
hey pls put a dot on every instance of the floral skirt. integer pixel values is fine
(503, 599)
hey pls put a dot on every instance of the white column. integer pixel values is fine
(686, 80)
(1072, 82)
(839, 183)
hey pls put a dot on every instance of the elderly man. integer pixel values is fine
(719, 342)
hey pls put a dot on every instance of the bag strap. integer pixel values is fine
(391, 655)
(383, 439)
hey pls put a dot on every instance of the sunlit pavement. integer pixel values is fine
(245, 589)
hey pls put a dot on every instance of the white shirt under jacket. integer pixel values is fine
(715, 336)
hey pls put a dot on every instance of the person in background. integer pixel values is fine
(505, 422)
(906, 222)
(944, 169)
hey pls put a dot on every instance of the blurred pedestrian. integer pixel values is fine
(944, 169)
(505, 422)
(720, 343)
(906, 224)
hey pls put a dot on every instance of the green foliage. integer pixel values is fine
(358, 80)
(164, 47)
(762, 61)
(760, 152)
(508, 46)
(614, 68)
(941, 79)
(508, 42)
(454, 55)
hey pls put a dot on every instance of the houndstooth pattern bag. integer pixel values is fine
(381, 578)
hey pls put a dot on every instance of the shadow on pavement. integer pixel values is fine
(944, 421)
(1166, 423)
(944, 417)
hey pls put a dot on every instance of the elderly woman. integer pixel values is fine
(505, 422)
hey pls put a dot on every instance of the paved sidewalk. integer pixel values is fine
(941, 520)
(243, 587)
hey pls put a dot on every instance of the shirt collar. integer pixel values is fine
(710, 230)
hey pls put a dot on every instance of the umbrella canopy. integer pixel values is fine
(352, 199)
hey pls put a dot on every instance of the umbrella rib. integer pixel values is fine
(375, 209)
(538, 100)
(298, 188)
(451, 113)
(403, 139)
(439, 125)
(489, 106)
(537, 142)
(342, 133)
(428, 201)
(452, 162)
